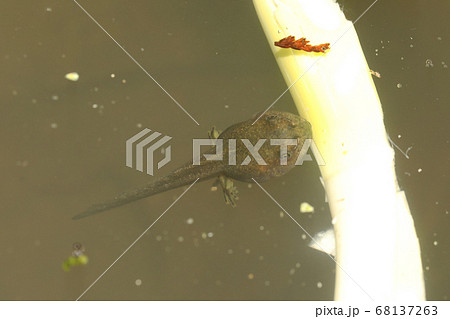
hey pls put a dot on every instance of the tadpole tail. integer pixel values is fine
(120, 200)
(183, 176)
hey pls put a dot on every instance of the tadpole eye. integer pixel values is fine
(271, 117)
(286, 155)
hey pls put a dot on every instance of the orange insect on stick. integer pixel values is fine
(301, 44)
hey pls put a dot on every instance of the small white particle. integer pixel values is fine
(419, 170)
(48, 9)
(55, 97)
(306, 208)
(334, 220)
(429, 63)
(94, 106)
(180, 239)
(292, 271)
(435, 243)
(319, 285)
(190, 221)
(113, 75)
(138, 282)
(72, 76)
(399, 136)
(210, 235)
(227, 106)
(303, 236)
(53, 125)
(399, 85)
(139, 125)
(261, 227)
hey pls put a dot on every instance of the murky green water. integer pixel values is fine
(63, 148)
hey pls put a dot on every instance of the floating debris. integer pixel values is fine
(375, 73)
(306, 208)
(72, 76)
(78, 257)
(429, 63)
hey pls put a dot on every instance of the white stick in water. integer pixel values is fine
(377, 250)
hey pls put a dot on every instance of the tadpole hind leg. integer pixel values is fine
(214, 133)
(230, 192)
